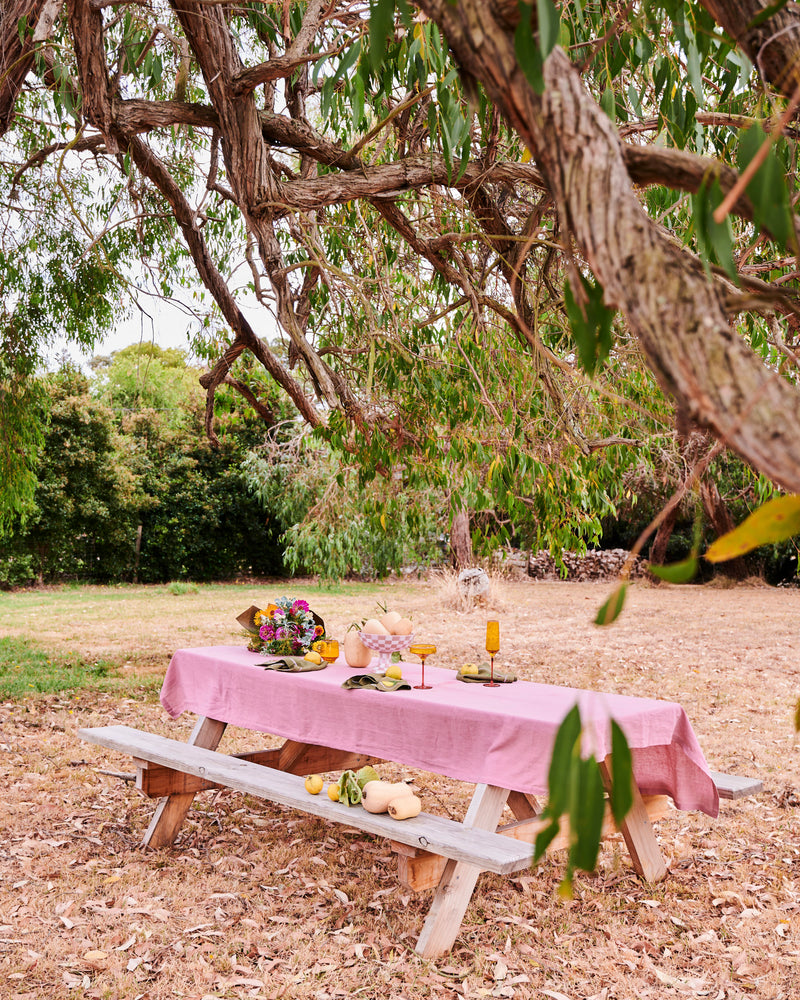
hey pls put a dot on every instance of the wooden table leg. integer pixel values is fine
(458, 879)
(638, 834)
(172, 809)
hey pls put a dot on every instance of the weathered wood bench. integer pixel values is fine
(734, 786)
(433, 852)
(448, 838)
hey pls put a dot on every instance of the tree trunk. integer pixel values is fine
(658, 550)
(461, 540)
(722, 522)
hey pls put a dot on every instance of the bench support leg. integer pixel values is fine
(172, 809)
(638, 835)
(458, 879)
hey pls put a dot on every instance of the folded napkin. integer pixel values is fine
(484, 674)
(377, 681)
(292, 665)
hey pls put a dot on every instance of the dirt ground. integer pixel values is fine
(257, 901)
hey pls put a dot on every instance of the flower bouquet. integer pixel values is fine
(286, 628)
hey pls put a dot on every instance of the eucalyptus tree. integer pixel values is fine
(427, 199)
(442, 207)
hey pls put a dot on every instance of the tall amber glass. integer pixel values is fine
(492, 648)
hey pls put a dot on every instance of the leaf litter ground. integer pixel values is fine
(258, 901)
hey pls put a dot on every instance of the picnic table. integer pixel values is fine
(498, 739)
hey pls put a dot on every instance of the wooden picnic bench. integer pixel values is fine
(432, 851)
(499, 742)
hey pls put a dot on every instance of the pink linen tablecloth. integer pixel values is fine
(501, 736)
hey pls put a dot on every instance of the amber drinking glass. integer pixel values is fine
(492, 648)
(422, 650)
(329, 650)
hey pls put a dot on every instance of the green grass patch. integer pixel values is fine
(26, 671)
(178, 588)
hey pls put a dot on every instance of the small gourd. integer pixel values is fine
(355, 652)
(373, 627)
(378, 794)
(389, 620)
(405, 806)
(403, 626)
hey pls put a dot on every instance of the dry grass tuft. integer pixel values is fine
(449, 596)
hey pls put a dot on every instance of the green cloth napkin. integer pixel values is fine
(292, 665)
(483, 675)
(377, 681)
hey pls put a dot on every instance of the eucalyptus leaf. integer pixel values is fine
(611, 609)
(767, 189)
(591, 323)
(528, 52)
(558, 780)
(586, 819)
(679, 572)
(775, 521)
(549, 24)
(621, 791)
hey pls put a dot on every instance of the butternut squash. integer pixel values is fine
(373, 627)
(405, 806)
(377, 795)
(355, 652)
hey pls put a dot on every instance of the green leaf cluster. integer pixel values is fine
(576, 793)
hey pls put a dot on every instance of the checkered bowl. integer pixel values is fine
(385, 644)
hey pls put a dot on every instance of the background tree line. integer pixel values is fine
(129, 488)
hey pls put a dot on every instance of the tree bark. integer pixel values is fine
(461, 541)
(16, 56)
(773, 45)
(658, 550)
(670, 305)
(721, 521)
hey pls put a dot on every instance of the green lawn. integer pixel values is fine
(118, 638)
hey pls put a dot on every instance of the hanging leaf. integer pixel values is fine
(528, 53)
(679, 572)
(714, 239)
(381, 18)
(586, 815)
(767, 190)
(549, 25)
(590, 322)
(559, 779)
(775, 521)
(610, 611)
(797, 717)
(621, 792)
(561, 762)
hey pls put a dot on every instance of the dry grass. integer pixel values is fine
(257, 901)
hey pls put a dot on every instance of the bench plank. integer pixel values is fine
(486, 850)
(735, 786)
(155, 780)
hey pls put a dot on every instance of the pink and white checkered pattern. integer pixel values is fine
(386, 643)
